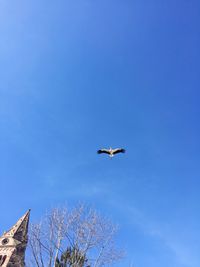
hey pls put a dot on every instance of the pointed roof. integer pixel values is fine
(20, 229)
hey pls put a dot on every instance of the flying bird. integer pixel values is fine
(111, 152)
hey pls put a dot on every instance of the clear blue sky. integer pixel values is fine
(78, 75)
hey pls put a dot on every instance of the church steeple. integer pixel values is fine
(13, 243)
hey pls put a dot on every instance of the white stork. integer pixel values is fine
(111, 152)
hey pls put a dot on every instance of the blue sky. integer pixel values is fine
(78, 75)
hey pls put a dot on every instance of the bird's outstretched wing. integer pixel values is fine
(100, 151)
(119, 150)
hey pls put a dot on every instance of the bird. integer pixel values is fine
(111, 152)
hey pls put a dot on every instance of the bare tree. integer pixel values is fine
(77, 237)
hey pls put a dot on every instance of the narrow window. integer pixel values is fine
(2, 259)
